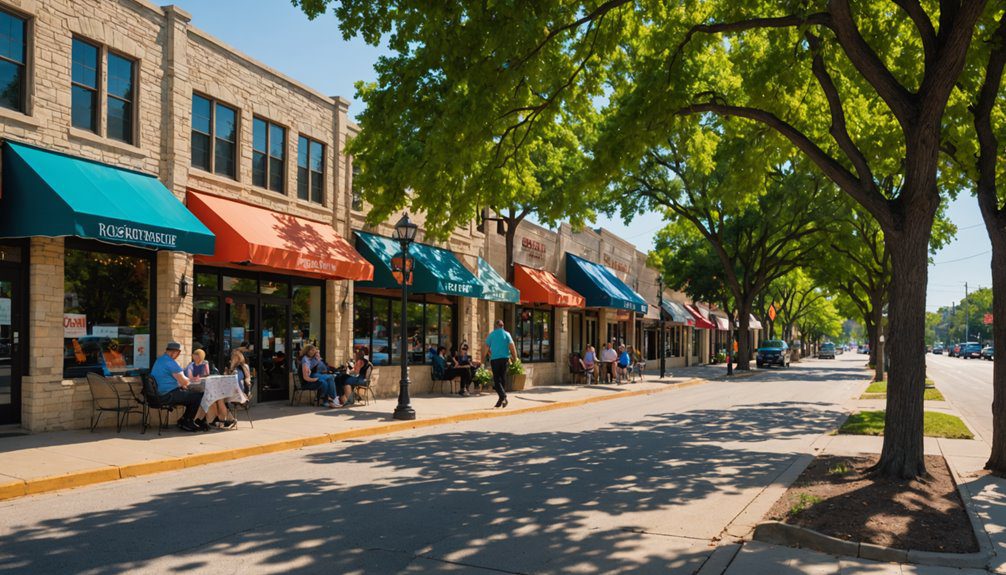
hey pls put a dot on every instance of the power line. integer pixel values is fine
(961, 259)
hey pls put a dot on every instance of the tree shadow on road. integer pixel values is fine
(629, 497)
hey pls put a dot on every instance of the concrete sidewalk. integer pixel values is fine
(59, 460)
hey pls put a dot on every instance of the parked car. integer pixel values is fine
(988, 353)
(970, 350)
(773, 352)
(827, 351)
(937, 350)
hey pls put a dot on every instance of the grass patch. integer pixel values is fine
(934, 424)
(803, 501)
(878, 390)
(841, 468)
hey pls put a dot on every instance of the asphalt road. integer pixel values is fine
(635, 485)
(967, 384)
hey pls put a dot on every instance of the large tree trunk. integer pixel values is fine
(902, 455)
(878, 331)
(997, 460)
(744, 336)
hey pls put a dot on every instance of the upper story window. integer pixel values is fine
(13, 50)
(268, 155)
(310, 170)
(84, 85)
(121, 96)
(214, 136)
(356, 201)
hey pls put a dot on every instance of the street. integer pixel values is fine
(967, 384)
(635, 485)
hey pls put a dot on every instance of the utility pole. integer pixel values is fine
(967, 314)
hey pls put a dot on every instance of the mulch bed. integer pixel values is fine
(924, 515)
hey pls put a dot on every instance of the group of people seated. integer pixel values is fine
(610, 365)
(447, 367)
(182, 387)
(335, 387)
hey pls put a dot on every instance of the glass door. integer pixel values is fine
(590, 332)
(11, 333)
(274, 383)
(240, 332)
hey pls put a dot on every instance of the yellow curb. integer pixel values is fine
(112, 473)
(71, 480)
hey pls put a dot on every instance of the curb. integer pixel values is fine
(778, 533)
(20, 488)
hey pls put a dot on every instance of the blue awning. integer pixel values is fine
(494, 286)
(600, 286)
(676, 313)
(435, 270)
(56, 195)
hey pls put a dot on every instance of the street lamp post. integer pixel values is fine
(405, 233)
(662, 339)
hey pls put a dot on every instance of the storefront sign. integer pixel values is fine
(141, 350)
(111, 331)
(534, 249)
(615, 264)
(74, 325)
(122, 232)
(456, 288)
(4, 311)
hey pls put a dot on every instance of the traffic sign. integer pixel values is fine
(987, 320)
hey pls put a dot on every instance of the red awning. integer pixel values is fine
(540, 286)
(258, 238)
(700, 321)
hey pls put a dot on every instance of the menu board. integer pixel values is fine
(74, 325)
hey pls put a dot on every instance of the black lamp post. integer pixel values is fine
(662, 338)
(405, 233)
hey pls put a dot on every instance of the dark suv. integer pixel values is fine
(773, 352)
(971, 350)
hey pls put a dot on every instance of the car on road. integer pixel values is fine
(954, 351)
(988, 353)
(938, 350)
(773, 352)
(970, 350)
(827, 351)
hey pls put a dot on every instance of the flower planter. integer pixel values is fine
(516, 382)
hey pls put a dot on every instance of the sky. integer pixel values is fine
(280, 36)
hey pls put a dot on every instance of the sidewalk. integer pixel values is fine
(64, 459)
(984, 495)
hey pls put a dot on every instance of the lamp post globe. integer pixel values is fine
(405, 233)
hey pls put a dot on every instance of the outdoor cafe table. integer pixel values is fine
(217, 387)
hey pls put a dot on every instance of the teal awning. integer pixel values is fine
(600, 286)
(494, 287)
(676, 313)
(54, 195)
(436, 270)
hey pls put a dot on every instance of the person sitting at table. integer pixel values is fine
(465, 363)
(590, 363)
(442, 371)
(608, 358)
(356, 377)
(197, 369)
(172, 386)
(314, 375)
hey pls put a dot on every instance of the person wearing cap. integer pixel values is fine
(172, 386)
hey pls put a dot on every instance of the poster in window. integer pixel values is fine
(4, 311)
(280, 345)
(111, 331)
(74, 325)
(141, 350)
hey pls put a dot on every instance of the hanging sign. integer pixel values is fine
(74, 325)
(987, 320)
(771, 312)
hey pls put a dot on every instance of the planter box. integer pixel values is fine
(515, 382)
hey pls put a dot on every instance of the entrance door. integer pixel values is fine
(11, 334)
(590, 332)
(274, 383)
(241, 332)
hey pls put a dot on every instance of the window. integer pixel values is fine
(357, 197)
(534, 334)
(306, 316)
(120, 98)
(84, 85)
(214, 136)
(310, 170)
(430, 325)
(106, 310)
(12, 61)
(268, 155)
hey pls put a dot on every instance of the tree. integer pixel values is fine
(758, 222)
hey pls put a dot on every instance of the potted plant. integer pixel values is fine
(483, 378)
(516, 376)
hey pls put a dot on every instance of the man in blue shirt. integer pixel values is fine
(501, 350)
(172, 386)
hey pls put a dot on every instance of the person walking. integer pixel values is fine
(501, 350)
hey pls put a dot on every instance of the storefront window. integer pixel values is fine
(305, 316)
(534, 334)
(207, 281)
(277, 288)
(205, 323)
(241, 285)
(430, 325)
(106, 311)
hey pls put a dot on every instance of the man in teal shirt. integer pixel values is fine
(501, 350)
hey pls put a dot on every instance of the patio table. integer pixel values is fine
(217, 387)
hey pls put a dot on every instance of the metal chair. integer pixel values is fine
(246, 406)
(576, 369)
(299, 389)
(152, 400)
(367, 389)
(106, 397)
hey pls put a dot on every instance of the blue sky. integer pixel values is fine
(279, 35)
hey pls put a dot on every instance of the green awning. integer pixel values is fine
(600, 286)
(435, 270)
(494, 287)
(55, 195)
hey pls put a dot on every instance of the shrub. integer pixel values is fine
(482, 377)
(515, 368)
